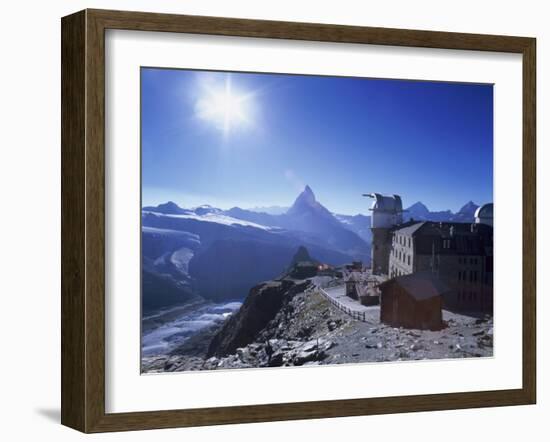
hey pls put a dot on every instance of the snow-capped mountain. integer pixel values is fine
(306, 202)
(220, 254)
(309, 215)
(308, 219)
(169, 208)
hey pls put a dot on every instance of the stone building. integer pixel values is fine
(460, 254)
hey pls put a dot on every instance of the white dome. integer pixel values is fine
(484, 214)
(387, 211)
(386, 203)
(485, 211)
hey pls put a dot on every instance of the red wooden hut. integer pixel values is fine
(413, 301)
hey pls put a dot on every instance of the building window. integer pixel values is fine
(409, 259)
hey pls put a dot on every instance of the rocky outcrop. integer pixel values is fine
(261, 306)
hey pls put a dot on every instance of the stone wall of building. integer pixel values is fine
(401, 260)
(380, 250)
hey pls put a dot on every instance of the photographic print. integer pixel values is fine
(305, 220)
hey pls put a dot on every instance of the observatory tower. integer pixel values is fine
(387, 212)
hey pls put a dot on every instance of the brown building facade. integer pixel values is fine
(460, 254)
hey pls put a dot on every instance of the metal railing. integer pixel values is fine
(360, 316)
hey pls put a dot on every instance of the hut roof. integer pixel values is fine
(421, 285)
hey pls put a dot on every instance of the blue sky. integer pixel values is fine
(239, 139)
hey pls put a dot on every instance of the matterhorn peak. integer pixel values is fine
(306, 198)
(308, 193)
(306, 202)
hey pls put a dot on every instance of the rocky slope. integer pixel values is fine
(262, 305)
(300, 327)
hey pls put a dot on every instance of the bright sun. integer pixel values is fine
(225, 107)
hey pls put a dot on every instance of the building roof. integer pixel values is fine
(420, 285)
(410, 228)
(442, 229)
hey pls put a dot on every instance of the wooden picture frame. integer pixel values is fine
(83, 220)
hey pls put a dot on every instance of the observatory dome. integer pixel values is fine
(384, 203)
(484, 214)
(485, 211)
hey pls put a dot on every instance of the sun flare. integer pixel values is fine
(225, 107)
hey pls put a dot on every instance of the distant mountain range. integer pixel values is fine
(220, 254)
(216, 254)
(418, 211)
